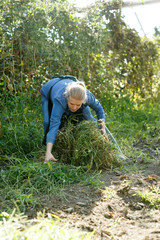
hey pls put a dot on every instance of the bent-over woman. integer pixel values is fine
(65, 97)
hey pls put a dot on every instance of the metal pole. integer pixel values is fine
(120, 154)
(140, 24)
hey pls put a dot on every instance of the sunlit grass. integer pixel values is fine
(48, 227)
(151, 198)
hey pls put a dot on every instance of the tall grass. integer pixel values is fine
(24, 176)
(21, 126)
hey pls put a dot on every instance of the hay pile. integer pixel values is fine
(84, 145)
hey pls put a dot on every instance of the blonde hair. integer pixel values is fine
(76, 90)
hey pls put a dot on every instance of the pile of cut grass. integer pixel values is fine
(84, 145)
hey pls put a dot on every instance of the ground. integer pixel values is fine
(125, 207)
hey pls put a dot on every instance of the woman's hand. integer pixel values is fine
(49, 156)
(103, 130)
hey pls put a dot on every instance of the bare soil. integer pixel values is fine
(115, 210)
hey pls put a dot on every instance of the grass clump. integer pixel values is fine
(84, 145)
(151, 198)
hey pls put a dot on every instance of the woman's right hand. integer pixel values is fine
(49, 156)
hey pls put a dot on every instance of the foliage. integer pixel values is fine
(48, 38)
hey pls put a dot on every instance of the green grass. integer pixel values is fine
(25, 177)
(23, 181)
(151, 198)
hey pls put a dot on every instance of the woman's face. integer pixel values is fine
(74, 104)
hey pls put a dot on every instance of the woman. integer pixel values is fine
(65, 97)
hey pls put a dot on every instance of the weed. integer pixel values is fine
(151, 198)
(24, 201)
(21, 131)
(108, 193)
(132, 168)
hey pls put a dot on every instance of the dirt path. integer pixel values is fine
(115, 210)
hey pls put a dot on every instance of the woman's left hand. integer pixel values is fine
(103, 130)
(105, 134)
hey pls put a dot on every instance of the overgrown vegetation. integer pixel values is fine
(40, 39)
(24, 176)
